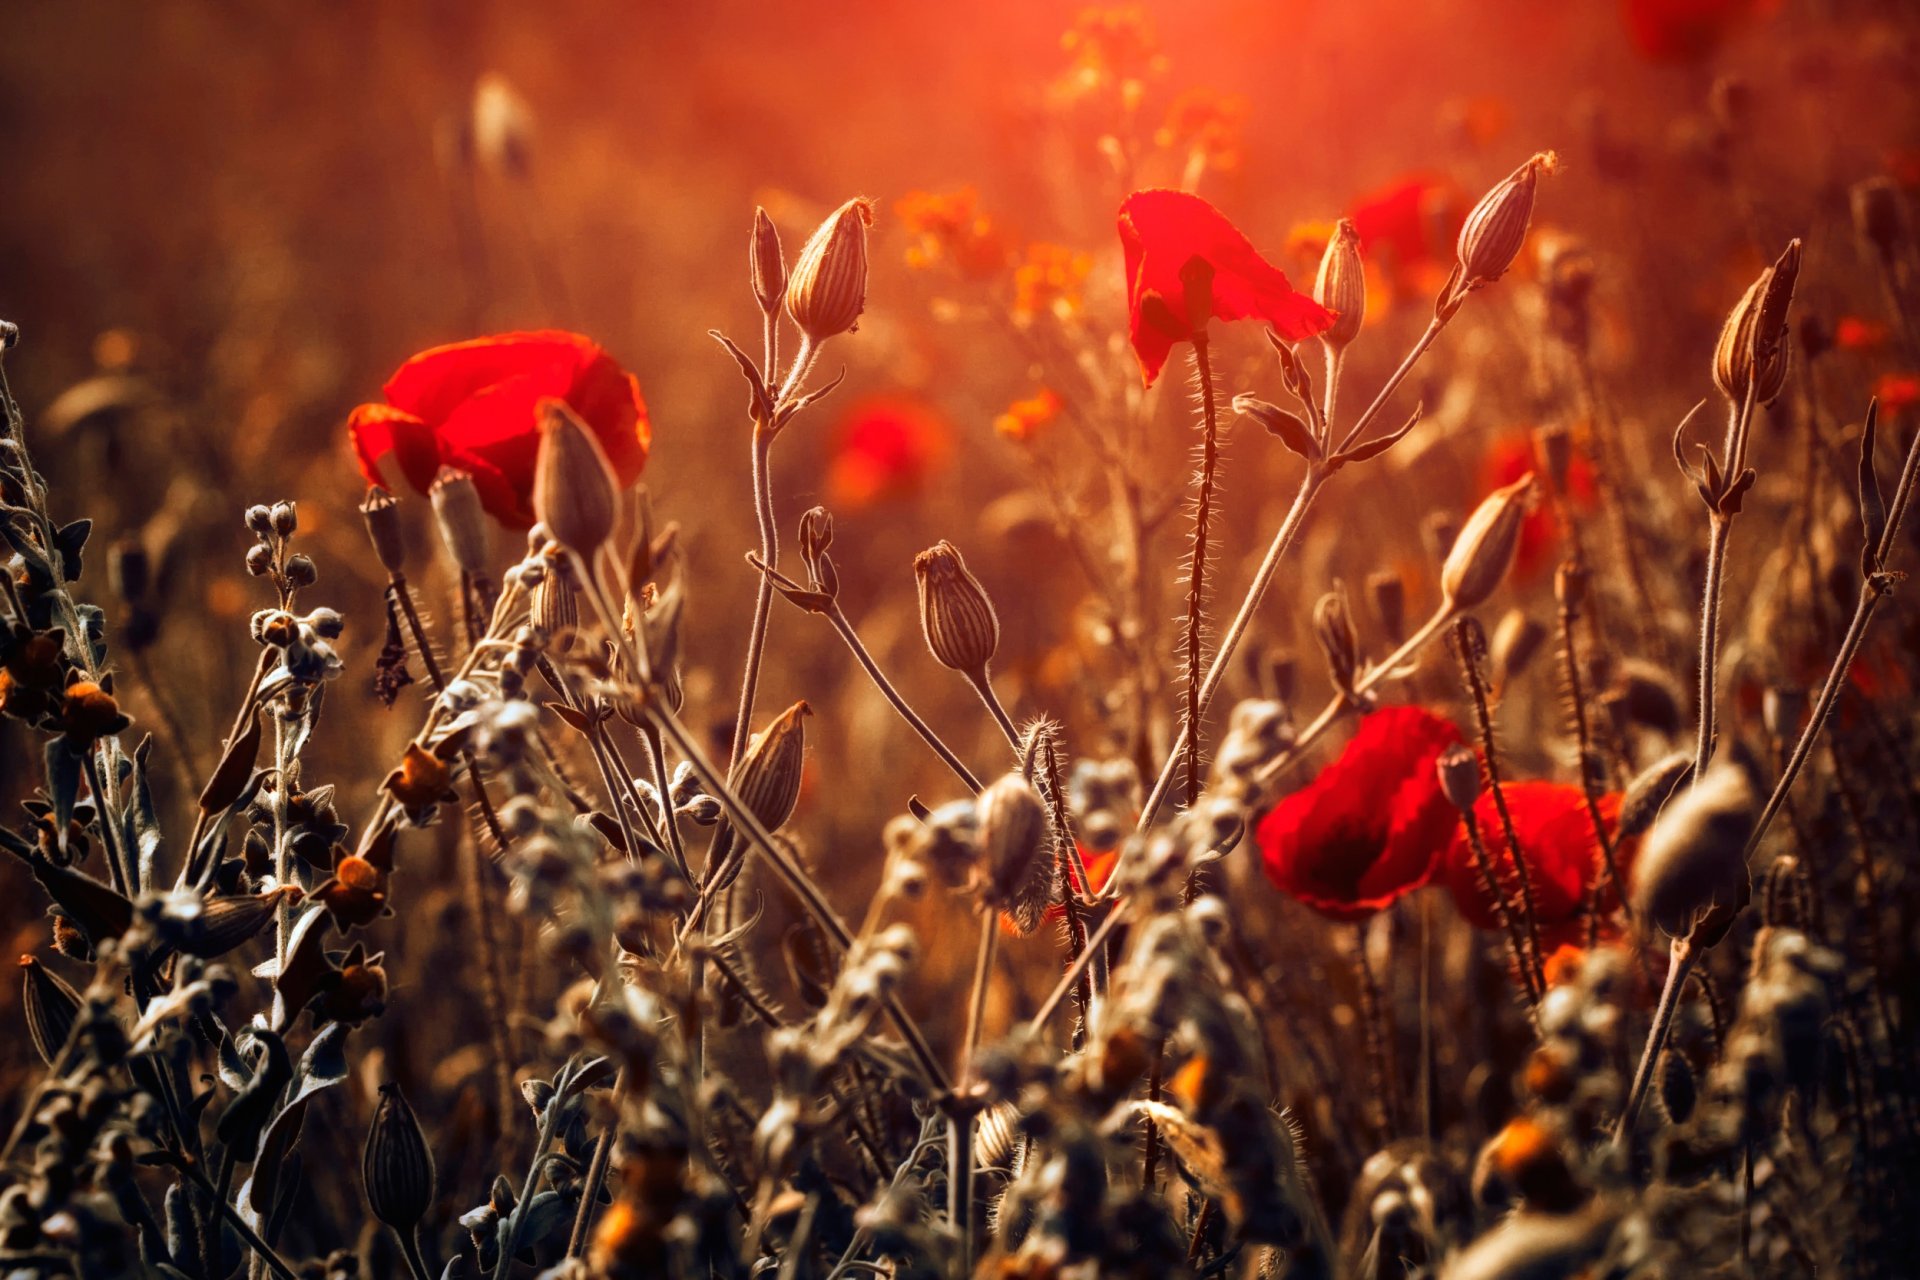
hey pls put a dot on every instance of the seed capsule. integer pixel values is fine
(828, 288)
(574, 493)
(1341, 286)
(397, 1165)
(1693, 856)
(381, 511)
(1012, 841)
(51, 1005)
(961, 627)
(225, 922)
(462, 520)
(766, 268)
(1491, 237)
(1752, 353)
(767, 777)
(555, 609)
(1484, 551)
(1459, 770)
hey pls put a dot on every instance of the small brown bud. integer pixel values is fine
(259, 560)
(260, 519)
(828, 288)
(1752, 353)
(574, 493)
(961, 627)
(1693, 857)
(1491, 237)
(1012, 840)
(1333, 628)
(464, 530)
(766, 268)
(1877, 215)
(51, 1006)
(767, 776)
(397, 1164)
(1459, 770)
(301, 571)
(381, 511)
(1484, 551)
(1389, 595)
(1341, 286)
(816, 533)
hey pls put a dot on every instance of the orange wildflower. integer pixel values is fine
(948, 226)
(1052, 278)
(1207, 124)
(1023, 418)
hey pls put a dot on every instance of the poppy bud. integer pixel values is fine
(462, 520)
(397, 1166)
(1877, 215)
(1483, 552)
(1333, 628)
(574, 493)
(828, 288)
(223, 923)
(1648, 794)
(1491, 237)
(1694, 855)
(1515, 641)
(1341, 286)
(381, 511)
(1389, 603)
(961, 627)
(767, 777)
(766, 268)
(1459, 770)
(51, 1005)
(1752, 353)
(1012, 838)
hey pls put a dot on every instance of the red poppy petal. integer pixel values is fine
(608, 399)
(376, 430)
(504, 500)
(433, 384)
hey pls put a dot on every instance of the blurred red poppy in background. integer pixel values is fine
(475, 405)
(1512, 456)
(1686, 30)
(885, 447)
(1897, 393)
(1372, 825)
(1160, 232)
(1561, 851)
(1408, 228)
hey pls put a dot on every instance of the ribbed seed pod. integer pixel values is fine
(227, 921)
(1483, 552)
(555, 609)
(1333, 628)
(1491, 237)
(961, 627)
(574, 493)
(766, 268)
(1341, 286)
(767, 776)
(1753, 351)
(382, 513)
(1012, 840)
(397, 1166)
(52, 1007)
(1693, 856)
(462, 520)
(828, 288)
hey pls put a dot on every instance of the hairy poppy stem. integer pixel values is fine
(1509, 923)
(1197, 560)
(1583, 739)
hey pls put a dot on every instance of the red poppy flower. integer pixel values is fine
(1411, 223)
(1372, 825)
(885, 447)
(1857, 333)
(1509, 458)
(1686, 30)
(475, 405)
(1161, 231)
(1897, 392)
(1562, 855)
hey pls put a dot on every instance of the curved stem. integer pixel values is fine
(1399, 375)
(763, 594)
(1679, 964)
(410, 1250)
(596, 1172)
(840, 623)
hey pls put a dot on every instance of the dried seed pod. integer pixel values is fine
(1491, 237)
(1333, 628)
(226, 921)
(1484, 551)
(1752, 353)
(767, 776)
(1649, 696)
(1012, 840)
(397, 1165)
(828, 288)
(555, 609)
(1389, 595)
(1693, 857)
(1459, 770)
(1515, 642)
(464, 529)
(1648, 794)
(1341, 285)
(766, 268)
(961, 627)
(381, 511)
(51, 1006)
(574, 492)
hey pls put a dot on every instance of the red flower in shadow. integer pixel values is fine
(1562, 855)
(1686, 30)
(1162, 231)
(474, 405)
(1372, 825)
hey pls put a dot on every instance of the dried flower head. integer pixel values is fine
(1753, 352)
(961, 627)
(382, 513)
(827, 290)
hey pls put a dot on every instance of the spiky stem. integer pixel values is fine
(1197, 560)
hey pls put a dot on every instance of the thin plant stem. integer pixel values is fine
(1374, 1031)
(960, 1161)
(1583, 739)
(410, 1250)
(1717, 537)
(596, 1172)
(1197, 561)
(1679, 964)
(1467, 634)
(1509, 923)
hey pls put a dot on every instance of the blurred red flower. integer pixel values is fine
(1897, 392)
(1161, 231)
(1099, 870)
(1408, 228)
(1562, 855)
(474, 405)
(885, 447)
(1512, 456)
(1857, 333)
(1372, 825)
(1686, 30)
